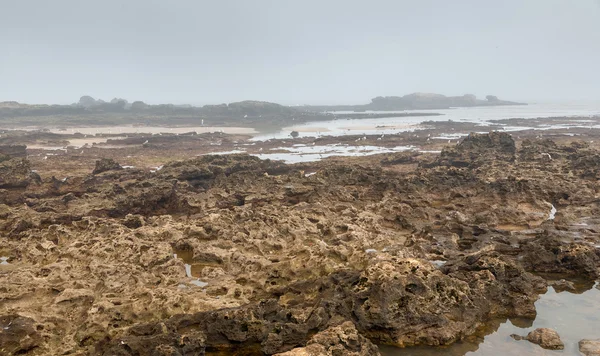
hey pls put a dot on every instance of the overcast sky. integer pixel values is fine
(296, 52)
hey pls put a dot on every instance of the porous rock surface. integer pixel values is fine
(546, 338)
(280, 262)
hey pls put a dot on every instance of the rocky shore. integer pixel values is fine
(231, 254)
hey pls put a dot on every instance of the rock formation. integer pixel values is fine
(546, 338)
(589, 347)
(237, 254)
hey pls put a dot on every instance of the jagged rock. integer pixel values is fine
(150, 199)
(476, 149)
(106, 164)
(18, 335)
(343, 339)
(411, 257)
(241, 329)
(160, 342)
(548, 253)
(562, 285)
(15, 173)
(483, 269)
(133, 221)
(203, 170)
(12, 151)
(543, 150)
(70, 295)
(546, 338)
(587, 166)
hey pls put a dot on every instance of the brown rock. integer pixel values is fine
(339, 340)
(290, 263)
(15, 173)
(478, 149)
(546, 338)
(106, 164)
(590, 347)
(17, 335)
(562, 285)
(12, 151)
(69, 295)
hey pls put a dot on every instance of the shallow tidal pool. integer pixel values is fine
(575, 315)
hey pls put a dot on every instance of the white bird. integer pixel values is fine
(45, 157)
(145, 142)
(260, 149)
(364, 138)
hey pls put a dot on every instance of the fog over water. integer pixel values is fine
(317, 52)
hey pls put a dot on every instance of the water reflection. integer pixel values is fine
(304, 153)
(574, 314)
(192, 270)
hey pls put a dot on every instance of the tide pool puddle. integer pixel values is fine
(192, 270)
(298, 154)
(575, 315)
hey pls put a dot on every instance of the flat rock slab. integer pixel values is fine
(589, 347)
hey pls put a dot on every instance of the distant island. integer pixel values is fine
(416, 101)
(258, 114)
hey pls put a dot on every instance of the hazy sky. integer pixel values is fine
(294, 52)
